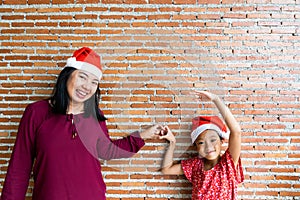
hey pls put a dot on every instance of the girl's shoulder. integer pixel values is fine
(192, 161)
(192, 166)
(226, 156)
(227, 165)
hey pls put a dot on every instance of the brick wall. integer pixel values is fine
(154, 52)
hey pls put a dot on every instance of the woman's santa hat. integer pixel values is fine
(202, 123)
(86, 59)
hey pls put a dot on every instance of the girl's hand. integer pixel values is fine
(208, 95)
(167, 134)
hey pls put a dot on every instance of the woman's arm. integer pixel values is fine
(125, 147)
(20, 164)
(234, 143)
(168, 167)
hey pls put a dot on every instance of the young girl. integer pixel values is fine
(213, 176)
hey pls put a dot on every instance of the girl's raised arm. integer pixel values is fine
(234, 143)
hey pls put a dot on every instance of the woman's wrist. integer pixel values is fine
(142, 135)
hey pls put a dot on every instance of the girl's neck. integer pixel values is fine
(209, 164)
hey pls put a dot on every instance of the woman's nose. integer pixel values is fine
(86, 86)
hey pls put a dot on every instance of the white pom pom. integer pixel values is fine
(71, 62)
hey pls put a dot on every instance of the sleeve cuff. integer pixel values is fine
(137, 137)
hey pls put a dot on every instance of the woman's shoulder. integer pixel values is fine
(39, 108)
(36, 113)
(39, 105)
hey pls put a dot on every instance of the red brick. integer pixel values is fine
(112, 1)
(209, 1)
(88, 1)
(12, 17)
(185, 2)
(289, 193)
(38, 2)
(62, 1)
(135, 1)
(160, 1)
(6, 10)
(14, 2)
(232, 1)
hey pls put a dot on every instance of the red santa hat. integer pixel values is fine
(86, 59)
(202, 123)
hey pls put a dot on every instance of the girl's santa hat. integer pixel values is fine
(86, 59)
(202, 123)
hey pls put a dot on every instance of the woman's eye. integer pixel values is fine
(95, 83)
(200, 142)
(82, 77)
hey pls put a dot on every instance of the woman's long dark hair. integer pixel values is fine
(60, 99)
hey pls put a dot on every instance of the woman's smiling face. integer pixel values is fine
(209, 145)
(81, 86)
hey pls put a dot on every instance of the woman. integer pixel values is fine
(63, 137)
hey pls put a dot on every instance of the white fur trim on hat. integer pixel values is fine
(72, 62)
(204, 127)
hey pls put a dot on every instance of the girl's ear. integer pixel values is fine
(222, 141)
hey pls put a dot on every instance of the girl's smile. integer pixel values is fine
(209, 145)
(210, 152)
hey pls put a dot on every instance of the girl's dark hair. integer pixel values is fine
(60, 99)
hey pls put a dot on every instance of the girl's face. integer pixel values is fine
(81, 85)
(209, 145)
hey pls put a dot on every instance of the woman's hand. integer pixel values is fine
(152, 133)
